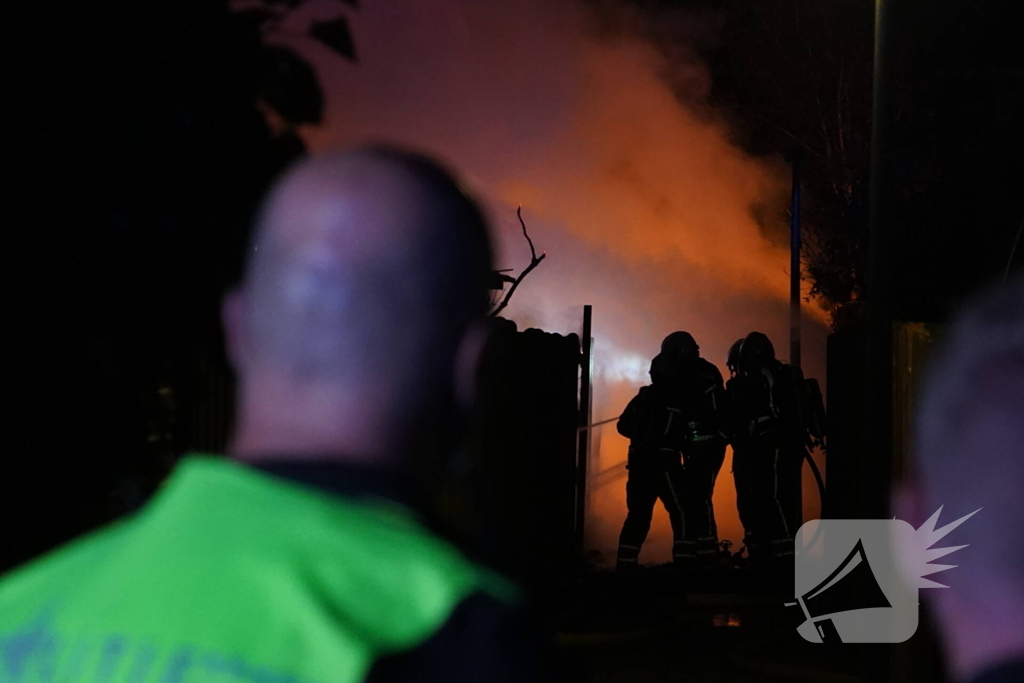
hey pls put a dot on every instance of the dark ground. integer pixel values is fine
(722, 626)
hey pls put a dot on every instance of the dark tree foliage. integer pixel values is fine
(796, 74)
(137, 147)
(787, 75)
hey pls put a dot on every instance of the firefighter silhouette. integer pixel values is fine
(776, 415)
(677, 444)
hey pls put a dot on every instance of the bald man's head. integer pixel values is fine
(367, 269)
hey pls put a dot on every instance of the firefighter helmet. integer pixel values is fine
(679, 345)
(756, 351)
(677, 350)
(732, 360)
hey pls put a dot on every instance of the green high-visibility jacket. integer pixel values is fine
(229, 575)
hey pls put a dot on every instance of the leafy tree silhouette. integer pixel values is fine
(797, 74)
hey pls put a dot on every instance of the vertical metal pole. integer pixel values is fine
(876, 461)
(795, 157)
(583, 438)
(795, 486)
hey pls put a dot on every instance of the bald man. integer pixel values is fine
(970, 455)
(306, 558)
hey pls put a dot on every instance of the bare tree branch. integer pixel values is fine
(534, 262)
(782, 130)
(519, 215)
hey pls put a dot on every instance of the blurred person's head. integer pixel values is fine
(970, 455)
(356, 330)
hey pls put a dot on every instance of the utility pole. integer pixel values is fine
(876, 461)
(795, 157)
(584, 418)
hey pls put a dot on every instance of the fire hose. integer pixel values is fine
(598, 424)
(818, 479)
(821, 490)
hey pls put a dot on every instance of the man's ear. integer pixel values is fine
(468, 360)
(232, 317)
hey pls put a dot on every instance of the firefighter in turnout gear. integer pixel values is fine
(769, 439)
(675, 415)
(705, 407)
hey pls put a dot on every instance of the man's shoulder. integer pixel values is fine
(226, 556)
(58, 573)
(782, 375)
(643, 396)
(708, 369)
(241, 521)
(372, 541)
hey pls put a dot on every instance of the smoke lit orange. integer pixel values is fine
(645, 208)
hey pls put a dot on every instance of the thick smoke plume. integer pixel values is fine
(645, 208)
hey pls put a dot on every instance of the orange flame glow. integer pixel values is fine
(647, 209)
